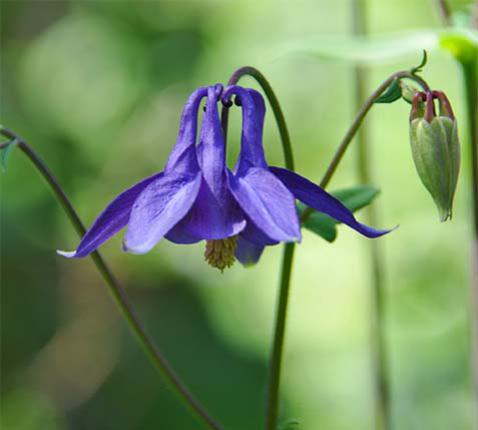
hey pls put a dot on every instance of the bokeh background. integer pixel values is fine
(97, 87)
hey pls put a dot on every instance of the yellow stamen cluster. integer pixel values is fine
(220, 253)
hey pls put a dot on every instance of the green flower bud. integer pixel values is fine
(435, 148)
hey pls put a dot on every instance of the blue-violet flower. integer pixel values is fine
(198, 198)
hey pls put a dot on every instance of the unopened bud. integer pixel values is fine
(435, 148)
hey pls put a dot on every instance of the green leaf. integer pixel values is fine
(391, 94)
(6, 152)
(353, 198)
(366, 50)
(462, 43)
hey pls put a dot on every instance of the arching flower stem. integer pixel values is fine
(362, 113)
(274, 102)
(116, 290)
(275, 362)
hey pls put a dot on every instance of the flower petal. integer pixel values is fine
(215, 215)
(253, 112)
(158, 209)
(255, 235)
(183, 157)
(317, 198)
(111, 220)
(179, 234)
(248, 253)
(268, 203)
(211, 217)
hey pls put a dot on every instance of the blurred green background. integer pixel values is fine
(97, 87)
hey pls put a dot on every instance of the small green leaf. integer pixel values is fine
(5, 153)
(353, 198)
(391, 94)
(320, 224)
(422, 64)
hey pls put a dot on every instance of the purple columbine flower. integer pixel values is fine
(197, 197)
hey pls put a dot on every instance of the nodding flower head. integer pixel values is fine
(197, 198)
(435, 148)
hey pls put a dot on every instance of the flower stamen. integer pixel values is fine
(220, 253)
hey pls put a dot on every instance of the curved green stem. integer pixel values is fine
(362, 113)
(383, 420)
(118, 293)
(276, 109)
(281, 315)
(275, 363)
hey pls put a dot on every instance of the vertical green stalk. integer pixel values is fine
(275, 363)
(381, 393)
(470, 75)
(117, 292)
(469, 67)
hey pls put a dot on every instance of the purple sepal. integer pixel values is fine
(158, 209)
(317, 198)
(111, 220)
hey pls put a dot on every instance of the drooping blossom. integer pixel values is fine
(196, 197)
